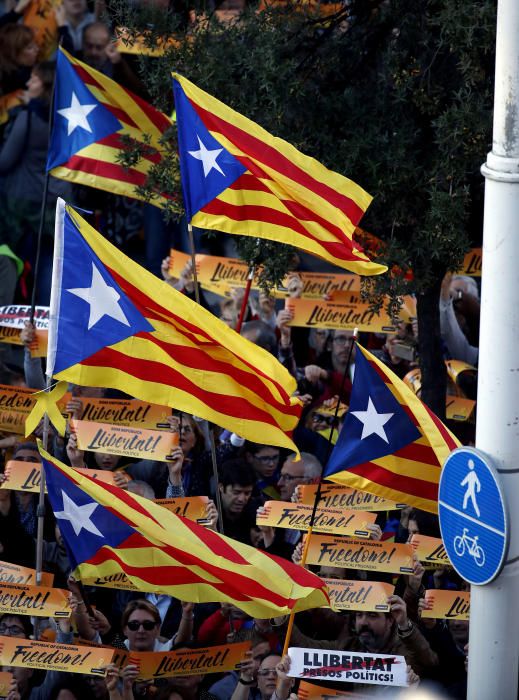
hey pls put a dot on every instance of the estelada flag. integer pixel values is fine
(107, 530)
(391, 444)
(114, 324)
(91, 115)
(238, 178)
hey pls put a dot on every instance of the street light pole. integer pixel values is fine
(494, 610)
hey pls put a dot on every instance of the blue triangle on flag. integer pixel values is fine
(206, 167)
(79, 118)
(376, 424)
(94, 312)
(84, 524)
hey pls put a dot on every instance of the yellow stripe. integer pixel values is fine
(355, 481)
(317, 170)
(108, 154)
(409, 468)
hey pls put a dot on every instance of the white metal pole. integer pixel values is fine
(494, 611)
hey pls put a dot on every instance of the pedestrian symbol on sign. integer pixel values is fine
(473, 485)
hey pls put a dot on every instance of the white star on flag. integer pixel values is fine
(372, 422)
(207, 157)
(78, 516)
(76, 115)
(103, 300)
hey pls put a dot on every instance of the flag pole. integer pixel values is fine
(245, 300)
(317, 498)
(193, 261)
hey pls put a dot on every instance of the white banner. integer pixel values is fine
(348, 666)
(15, 316)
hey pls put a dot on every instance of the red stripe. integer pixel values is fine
(154, 371)
(262, 152)
(415, 452)
(452, 444)
(154, 311)
(252, 184)
(103, 168)
(251, 212)
(397, 482)
(115, 141)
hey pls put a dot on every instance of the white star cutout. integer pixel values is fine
(76, 115)
(207, 157)
(78, 516)
(103, 300)
(372, 422)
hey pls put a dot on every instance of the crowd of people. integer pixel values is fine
(248, 474)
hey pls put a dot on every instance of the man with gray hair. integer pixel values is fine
(459, 294)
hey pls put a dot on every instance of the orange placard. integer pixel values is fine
(348, 313)
(40, 16)
(365, 555)
(472, 263)
(14, 573)
(447, 605)
(117, 580)
(359, 595)
(12, 336)
(183, 662)
(310, 691)
(296, 516)
(16, 403)
(129, 42)
(50, 656)
(128, 412)
(458, 408)
(430, 550)
(124, 441)
(26, 476)
(192, 507)
(337, 496)
(317, 285)
(39, 601)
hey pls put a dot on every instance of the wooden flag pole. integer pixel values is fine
(319, 485)
(245, 300)
(193, 261)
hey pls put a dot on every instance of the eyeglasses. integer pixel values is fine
(13, 630)
(289, 477)
(267, 672)
(320, 418)
(148, 625)
(267, 459)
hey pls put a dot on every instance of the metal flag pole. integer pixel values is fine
(193, 261)
(317, 498)
(245, 300)
(494, 612)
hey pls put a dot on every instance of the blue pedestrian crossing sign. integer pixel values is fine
(473, 517)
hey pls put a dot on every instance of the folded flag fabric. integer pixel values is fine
(107, 530)
(238, 178)
(91, 115)
(391, 444)
(114, 324)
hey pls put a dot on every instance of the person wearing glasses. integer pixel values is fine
(264, 459)
(266, 679)
(141, 626)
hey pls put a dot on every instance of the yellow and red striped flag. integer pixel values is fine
(108, 530)
(91, 115)
(238, 178)
(391, 444)
(114, 324)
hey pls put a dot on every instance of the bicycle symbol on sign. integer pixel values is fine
(470, 544)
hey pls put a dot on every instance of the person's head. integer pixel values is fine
(267, 676)
(96, 37)
(19, 50)
(465, 284)
(422, 523)
(191, 436)
(341, 343)
(70, 688)
(267, 305)
(228, 313)
(106, 461)
(262, 458)
(15, 626)
(141, 625)
(260, 334)
(75, 10)
(459, 630)
(317, 339)
(236, 482)
(22, 675)
(373, 629)
(306, 471)
(39, 85)
(97, 687)
(27, 452)
(141, 488)
(336, 572)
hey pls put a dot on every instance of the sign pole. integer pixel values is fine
(494, 612)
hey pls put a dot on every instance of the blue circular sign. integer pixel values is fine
(473, 517)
